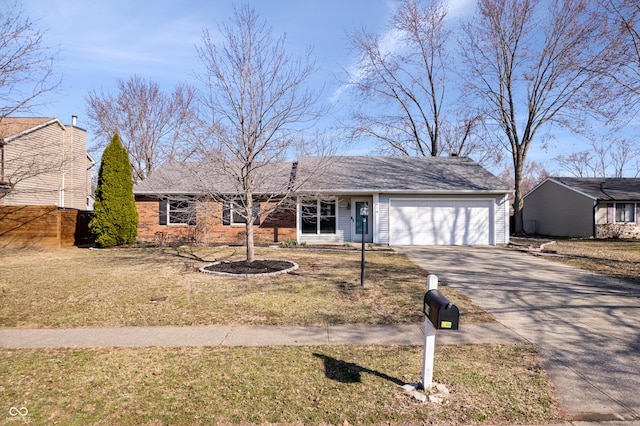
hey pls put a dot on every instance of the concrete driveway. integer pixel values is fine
(586, 326)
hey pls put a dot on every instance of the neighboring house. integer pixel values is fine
(412, 201)
(584, 207)
(44, 162)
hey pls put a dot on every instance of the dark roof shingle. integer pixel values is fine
(335, 175)
(623, 189)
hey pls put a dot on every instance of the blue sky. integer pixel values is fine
(104, 40)
(101, 41)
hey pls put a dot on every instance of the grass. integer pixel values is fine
(111, 288)
(615, 258)
(503, 384)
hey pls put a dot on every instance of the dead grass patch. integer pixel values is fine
(162, 287)
(497, 384)
(615, 258)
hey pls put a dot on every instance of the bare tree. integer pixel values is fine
(152, 124)
(529, 65)
(604, 158)
(620, 20)
(402, 78)
(533, 173)
(26, 63)
(254, 107)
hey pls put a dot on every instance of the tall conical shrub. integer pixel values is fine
(115, 219)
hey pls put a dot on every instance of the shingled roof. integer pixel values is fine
(621, 189)
(337, 175)
(14, 126)
(399, 175)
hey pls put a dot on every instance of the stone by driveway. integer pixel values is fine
(586, 326)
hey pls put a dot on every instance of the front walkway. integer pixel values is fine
(409, 334)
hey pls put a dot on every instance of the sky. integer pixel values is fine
(101, 41)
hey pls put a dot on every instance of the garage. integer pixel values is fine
(440, 222)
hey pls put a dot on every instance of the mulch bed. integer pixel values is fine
(256, 267)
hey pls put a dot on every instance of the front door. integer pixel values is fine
(359, 224)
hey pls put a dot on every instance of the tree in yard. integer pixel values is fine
(115, 219)
(403, 79)
(152, 124)
(530, 64)
(254, 107)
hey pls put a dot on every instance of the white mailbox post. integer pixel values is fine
(429, 341)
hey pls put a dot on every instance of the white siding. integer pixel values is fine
(383, 219)
(502, 220)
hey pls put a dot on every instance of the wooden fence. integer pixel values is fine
(43, 226)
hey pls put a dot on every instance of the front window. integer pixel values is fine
(234, 212)
(318, 217)
(182, 211)
(625, 212)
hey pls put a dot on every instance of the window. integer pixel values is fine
(625, 212)
(318, 217)
(178, 211)
(233, 213)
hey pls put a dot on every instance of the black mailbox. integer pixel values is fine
(441, 312)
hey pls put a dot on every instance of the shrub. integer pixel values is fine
(115, 219)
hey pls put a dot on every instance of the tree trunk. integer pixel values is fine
(249, 229)
(517, 201)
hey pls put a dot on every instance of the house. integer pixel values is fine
(44, 163)
(584, 207)
(411, 201)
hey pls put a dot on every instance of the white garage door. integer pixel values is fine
(439, 222)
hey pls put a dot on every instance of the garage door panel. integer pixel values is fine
(439, 222)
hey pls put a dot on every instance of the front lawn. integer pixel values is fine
(355, 385)
(162, 287)
(615, 258)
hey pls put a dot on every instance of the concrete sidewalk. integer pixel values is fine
(409, 334)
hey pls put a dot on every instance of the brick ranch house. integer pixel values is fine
(427, 200)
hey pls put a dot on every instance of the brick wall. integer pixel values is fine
(209, 230)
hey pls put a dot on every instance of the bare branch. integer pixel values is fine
(152, 124)
(402, 79)
(26, 63)
(531, 63)
(255, 112)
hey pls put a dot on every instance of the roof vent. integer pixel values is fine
(74, 120)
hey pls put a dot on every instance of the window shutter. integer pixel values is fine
(611, 213)
(637, 218)
(193, 210)
(256, 212)
(163, 212)
(226, 214)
